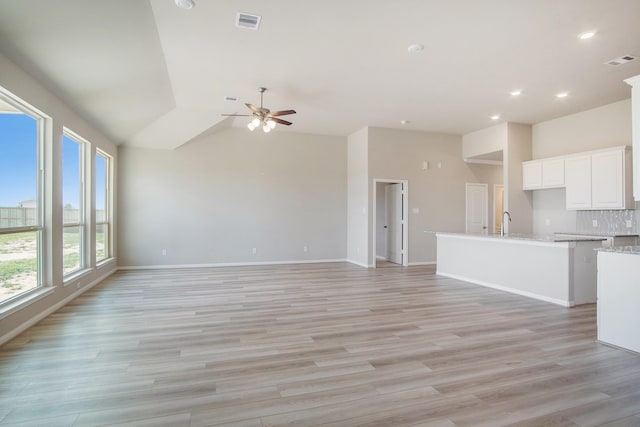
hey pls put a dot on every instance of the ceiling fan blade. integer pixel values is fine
(282, 122)
(253, 108)
(282, 113)
(237, 115)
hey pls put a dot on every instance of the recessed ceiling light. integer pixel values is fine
(586, 35)
(495, 117)
(404, 122)
(414, 48)
(185, 4)
(562, 94)
(516, 92)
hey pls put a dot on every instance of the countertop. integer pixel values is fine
(533, 237)
(611, 234)
(631, 250)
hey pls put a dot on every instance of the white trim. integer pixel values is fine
(405, 219)
(422, 263)
(507, 289)
(228, 264)
(493, 216)
(17, 302)
(484, 162)
(32, 321)
(359, 263)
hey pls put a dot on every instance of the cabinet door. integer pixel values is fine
(531, 175)
(553, 173)
(577, 173)
(607, 172)
(635, 125)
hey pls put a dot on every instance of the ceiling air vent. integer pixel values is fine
(247, 20)
(621, 60)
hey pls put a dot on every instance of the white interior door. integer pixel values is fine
(477, 196)
(393, 199)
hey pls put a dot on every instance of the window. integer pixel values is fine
(103, 206)
(21, 135)
(73, 202)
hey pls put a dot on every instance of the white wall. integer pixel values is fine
(484, 141)
(517, 201)
(438, 193)
(22, 85)
(215, 199)
(358, 203)
(602, 127)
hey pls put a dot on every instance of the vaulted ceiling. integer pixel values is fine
(150, 74)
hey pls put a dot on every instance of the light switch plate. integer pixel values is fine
(594, 223)
(629, 223)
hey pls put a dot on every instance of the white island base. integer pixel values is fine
(561, 272)
(619, 297)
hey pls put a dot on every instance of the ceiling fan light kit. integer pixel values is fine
(263, 116)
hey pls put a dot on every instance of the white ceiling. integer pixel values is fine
(152, 75)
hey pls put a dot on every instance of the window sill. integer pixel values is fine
(67, 280)
(103, 262)
(20, 301)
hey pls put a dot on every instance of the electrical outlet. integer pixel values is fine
(164, 252)
(629, 223)
(305, 249)
(254, 251)
(594, 223)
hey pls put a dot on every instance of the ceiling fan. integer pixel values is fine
(264, 116)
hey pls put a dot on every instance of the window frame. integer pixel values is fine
(107, 223)
(42, 121)
(84, 147)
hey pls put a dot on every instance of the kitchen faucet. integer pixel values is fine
(504, 227)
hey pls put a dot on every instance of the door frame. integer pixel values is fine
(495, 204)
(405, 217)
(466, 200)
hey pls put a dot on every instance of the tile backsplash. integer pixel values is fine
(614, 221)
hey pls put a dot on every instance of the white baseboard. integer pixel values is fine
(507, 289)
(226, 264)
(32, 321)
(358, 263)
(423, 263)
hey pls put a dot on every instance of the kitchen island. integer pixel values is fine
(619, 296)
(560, 270)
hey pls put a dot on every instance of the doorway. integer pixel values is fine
(476, 208)
(498, 206)
(390, 223)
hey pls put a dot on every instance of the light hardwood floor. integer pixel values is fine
(316, 344)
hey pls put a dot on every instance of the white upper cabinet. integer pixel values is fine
(577, 175)
(544, 173)
(599, 180)
(532, 175)
(607, 187)
(553, 173)
(635, 123)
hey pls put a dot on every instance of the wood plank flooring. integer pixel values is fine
(316, 344)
